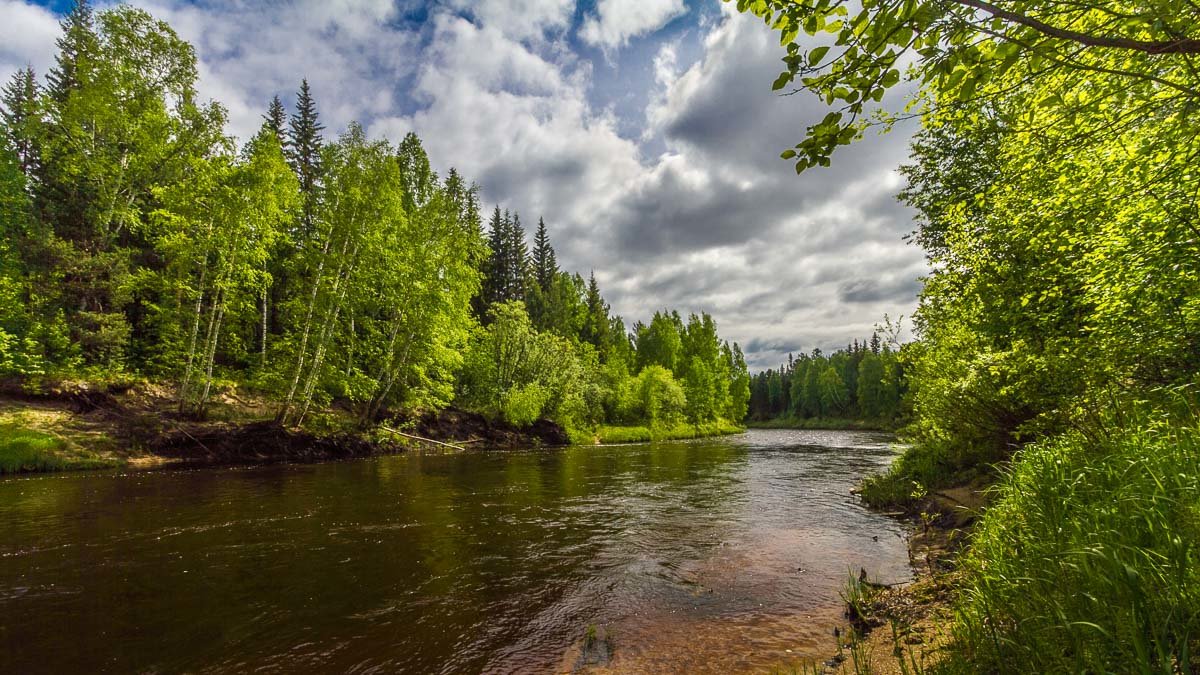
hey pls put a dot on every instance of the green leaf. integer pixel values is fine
(815, 56)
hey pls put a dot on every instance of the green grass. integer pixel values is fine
(25, 450)
(1088, 560)
(643, 434)
(925, 466)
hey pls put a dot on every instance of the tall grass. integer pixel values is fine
(925, 465)
(1089, 559)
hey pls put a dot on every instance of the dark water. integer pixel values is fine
(708, 556)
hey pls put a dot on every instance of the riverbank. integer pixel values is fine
(823, 424)
(902, 630)
(72, 425)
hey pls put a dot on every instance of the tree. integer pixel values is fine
(545, 265)
(218, 230)
(304, 154)
(957, 48)
(276, 120)
(364, 176)
(870, 386)
(20, 110)
(739, 386)
(661, 342)
(77, 52)
(596, 325)
(122, 120)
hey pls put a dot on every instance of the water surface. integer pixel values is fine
(704, 556)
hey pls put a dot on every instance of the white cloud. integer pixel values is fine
(249, 52)
(27, 35)
(619, 20)
(519, 19)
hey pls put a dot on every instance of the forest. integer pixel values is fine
(865, 382)
(1057, 198)
(141, 240)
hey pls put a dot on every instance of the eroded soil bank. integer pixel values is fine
(93, 426)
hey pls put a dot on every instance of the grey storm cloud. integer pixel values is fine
(872, 290)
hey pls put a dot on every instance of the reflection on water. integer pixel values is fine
(704, 556)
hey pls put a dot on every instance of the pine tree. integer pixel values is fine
(19, 110)
(276, 121)
(304, 155)
(545, 264)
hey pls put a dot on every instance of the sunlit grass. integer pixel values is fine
(1089, 559)
(683, 430)
(27, 450)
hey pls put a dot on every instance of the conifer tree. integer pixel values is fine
(417, 179)
(22, 120)
(304, 154)
(596, 325)
(276, 120)
(76, 47)
(545, 264)
(517, 260)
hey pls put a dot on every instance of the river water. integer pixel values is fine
(714, 556)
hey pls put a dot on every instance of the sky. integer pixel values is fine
(644, 132)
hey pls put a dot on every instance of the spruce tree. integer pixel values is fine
(304, 155)
(596, 326)
(417, 179)
(276, 121)
(517, 260)
(76, 47)
(22, 119)
(545, 265)
(493, 278)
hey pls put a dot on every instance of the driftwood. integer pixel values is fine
(420, 438)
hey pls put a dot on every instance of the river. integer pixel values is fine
(717, 556)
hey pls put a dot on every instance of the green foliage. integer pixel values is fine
(1089, 558)
(865, 382)
(26, 450)
(513, 372)
(661, 401)
(962, 50)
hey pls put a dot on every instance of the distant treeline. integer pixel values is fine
(865, 381)
(139, 239)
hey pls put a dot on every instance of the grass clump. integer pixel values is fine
(1089, 559)
(682, 430)
(924, 466)
(24, 450)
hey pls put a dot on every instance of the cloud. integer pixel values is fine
(616, 21)
(27, 36)
(519, 19)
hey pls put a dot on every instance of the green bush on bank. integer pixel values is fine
(1089, 559)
